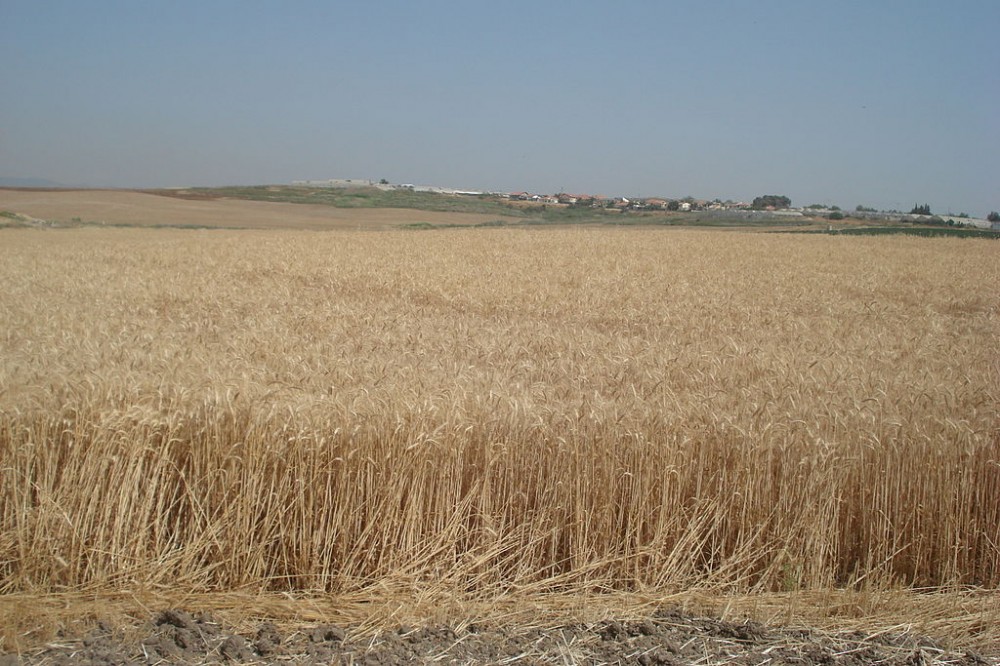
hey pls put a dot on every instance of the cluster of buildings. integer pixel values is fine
(650, 203)
(624, 203)
(562, 198)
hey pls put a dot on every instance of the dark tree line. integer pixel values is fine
(924, 209)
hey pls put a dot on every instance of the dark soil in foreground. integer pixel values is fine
(668, 637)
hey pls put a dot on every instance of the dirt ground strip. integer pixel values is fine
(130, 208)
(668, 636)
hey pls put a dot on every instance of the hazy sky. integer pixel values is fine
(879, 102)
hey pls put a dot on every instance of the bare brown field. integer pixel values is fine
(474, 418)
(130, 208)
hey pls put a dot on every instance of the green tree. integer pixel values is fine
(993, 217)
(773, 200)
(924, 209)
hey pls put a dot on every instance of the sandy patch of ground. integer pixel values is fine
(122, 207)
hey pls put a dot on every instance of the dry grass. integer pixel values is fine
(497, 412)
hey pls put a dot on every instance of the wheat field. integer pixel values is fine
(592, 410)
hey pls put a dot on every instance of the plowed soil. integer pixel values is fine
(667, 637)
(130, 208)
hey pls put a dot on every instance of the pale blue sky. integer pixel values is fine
(882, 103)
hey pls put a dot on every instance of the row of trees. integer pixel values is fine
(777, 201)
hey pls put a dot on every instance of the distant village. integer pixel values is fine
(563, 198)
(771, 205)
(635, 203)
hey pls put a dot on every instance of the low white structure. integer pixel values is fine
(335, 182)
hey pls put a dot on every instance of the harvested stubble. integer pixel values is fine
(497, 410)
